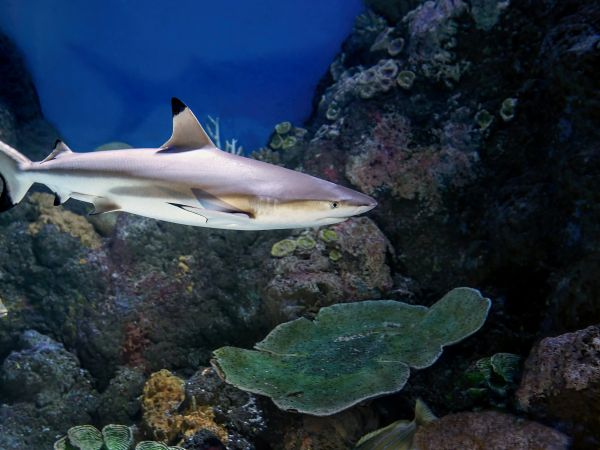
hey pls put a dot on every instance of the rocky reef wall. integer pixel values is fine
(474, 125)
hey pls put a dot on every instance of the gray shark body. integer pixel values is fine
(187, 180)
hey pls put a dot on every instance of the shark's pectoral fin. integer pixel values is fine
(60, 148)
(104, 205)
(192, 210)
(214, 203)
(187, 131)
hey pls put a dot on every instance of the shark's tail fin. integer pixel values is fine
(15, 183)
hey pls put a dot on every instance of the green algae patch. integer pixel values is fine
(350, 351)
(283, 248)
(328, 235)
(306, 242)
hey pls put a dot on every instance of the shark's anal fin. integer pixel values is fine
(60, 148)
(104, 205)
(192, 210)
(187, 131)
(60, 195)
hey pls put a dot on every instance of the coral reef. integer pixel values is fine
(472, 123)
(351, 351)
(163, 395)
(320, 267)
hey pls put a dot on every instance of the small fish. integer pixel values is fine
(3, 310)
(187, 180)
(398, 435)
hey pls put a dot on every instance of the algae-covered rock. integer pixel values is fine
(489, 430)
(346, 262)
(45, 374)
(66, 221)
(561, 380)
(120, 401)
(351, 351)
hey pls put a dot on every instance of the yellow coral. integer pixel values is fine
(163, 395)
(65, 220)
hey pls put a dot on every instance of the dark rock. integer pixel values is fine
(48, 388)
(21, 122)
(21, 427)
(562, 380)
(120, 403)
(392, 10)
(204, 440)
(240, 412)
(487, 430)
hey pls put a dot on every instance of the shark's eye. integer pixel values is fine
(334, 205)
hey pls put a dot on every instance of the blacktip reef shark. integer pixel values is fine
(187, 180)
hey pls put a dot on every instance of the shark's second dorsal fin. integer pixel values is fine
(187, 131)
(59, 148)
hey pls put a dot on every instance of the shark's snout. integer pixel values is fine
(367, 207)
(361, 202)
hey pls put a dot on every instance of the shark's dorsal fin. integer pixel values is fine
(59, 148)
(187, 131)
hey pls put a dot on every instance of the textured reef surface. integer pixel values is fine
(475, 126)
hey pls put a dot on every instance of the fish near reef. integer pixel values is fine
(398, 435)
(187, 180)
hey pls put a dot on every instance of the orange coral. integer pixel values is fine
(163, 395)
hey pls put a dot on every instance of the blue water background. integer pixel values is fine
(105, 70)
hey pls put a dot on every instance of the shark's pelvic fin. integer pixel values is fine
(192, 210)
(103, 205)
(60, 148)
(187, 131)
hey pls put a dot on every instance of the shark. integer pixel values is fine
(187, 180)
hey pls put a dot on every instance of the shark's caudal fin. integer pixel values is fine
(15, 182)
(187, 131)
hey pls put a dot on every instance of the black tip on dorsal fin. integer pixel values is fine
(57, 143)
(177, 106)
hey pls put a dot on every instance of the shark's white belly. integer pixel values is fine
(156, 198)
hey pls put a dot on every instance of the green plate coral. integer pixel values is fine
(351, 351)
(112, 437)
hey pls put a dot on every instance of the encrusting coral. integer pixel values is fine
(163, 396)
(65, 220)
